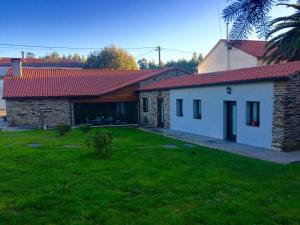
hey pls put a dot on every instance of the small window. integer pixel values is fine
(253, 117)
(197, 108)
(122, 107)
(145, 104)
(179, 107)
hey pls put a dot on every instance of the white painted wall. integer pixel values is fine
(212, 102)
(217, 59)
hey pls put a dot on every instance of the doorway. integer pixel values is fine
(160, 112)
(231, 120)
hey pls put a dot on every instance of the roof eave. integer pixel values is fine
(215, 84)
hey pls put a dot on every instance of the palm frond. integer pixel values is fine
(247, 15)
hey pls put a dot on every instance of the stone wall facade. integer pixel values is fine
(149, 119)
(172, 73)
(286, 114)
(39, 112)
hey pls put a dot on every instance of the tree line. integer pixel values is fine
(57, 56)
(188, 65)
(112, 57)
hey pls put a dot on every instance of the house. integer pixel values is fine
(5, 64)
(238, 54)
(257, 106)
(47, 96)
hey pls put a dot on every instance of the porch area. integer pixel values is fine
(106, 113)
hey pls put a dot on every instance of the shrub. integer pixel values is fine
(101, 142)
(85, 128)
(62, 129)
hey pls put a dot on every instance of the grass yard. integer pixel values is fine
(141, 183)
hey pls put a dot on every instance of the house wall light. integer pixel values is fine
(228, 90)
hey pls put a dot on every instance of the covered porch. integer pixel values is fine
(106, 113)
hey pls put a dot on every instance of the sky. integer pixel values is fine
(188, 26)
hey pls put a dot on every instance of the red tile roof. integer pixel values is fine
(71, 82)
(255, 48)
(272, 72)
(36, 62)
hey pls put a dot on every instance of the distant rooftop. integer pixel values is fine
(39, 62)
(253, 47)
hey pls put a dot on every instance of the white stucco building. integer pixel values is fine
(257, 106)
(240, 54)
(213, 112)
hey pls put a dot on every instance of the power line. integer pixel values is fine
(145, 53)
(177, 50)
(66, 47)
(14, 46)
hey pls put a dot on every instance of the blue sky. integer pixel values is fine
(190, 25)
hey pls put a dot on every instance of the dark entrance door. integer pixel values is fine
(231, 120)
(160, 112)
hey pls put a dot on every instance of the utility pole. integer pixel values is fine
(159, 59)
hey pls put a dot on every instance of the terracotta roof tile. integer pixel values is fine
(276, 71)
(71, 82)
(252, 47)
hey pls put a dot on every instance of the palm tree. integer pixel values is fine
(285, 46)
(248, 15)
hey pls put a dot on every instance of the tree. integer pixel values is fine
(143, 63)
(152, 65)
(189, 65)
(76, 57)
(69, 56)
(111, 58)
(83, 59)
(248, 15)
(30, 55)
(285, 46)
(52, 55)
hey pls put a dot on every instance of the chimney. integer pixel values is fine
(16, 65)
(22, 53)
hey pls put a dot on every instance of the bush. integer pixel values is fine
(62, 129)
(101, 142)
(85, 128)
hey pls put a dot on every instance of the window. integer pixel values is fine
(253, 117)
(197, 108)
(179, 109)
(122, 107)
(145, 104)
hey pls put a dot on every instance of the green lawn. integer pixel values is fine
(142, 183)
